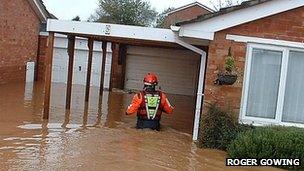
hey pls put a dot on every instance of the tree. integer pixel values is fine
(161, 17)
(77, 18)
(129, 12)
(218, 4)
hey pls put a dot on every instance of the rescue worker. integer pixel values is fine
(149, 104)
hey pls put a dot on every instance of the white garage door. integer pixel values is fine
(177, 70)
(60, 63)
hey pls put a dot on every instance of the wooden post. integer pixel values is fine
(71, 50)
(123, 58)
(48, 76)
(115, 54)
(89, 71)
(103, 66)
(66, 118)
(85, 115)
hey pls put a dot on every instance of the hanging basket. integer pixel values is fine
(226, 79)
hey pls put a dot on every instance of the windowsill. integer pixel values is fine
(269, 122)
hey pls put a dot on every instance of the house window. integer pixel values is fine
(293, 110)
(273, 91)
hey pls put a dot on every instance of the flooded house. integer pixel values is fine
(81, 69)
(21, 23)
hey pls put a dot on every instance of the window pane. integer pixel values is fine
(264, 83)
(293, 110)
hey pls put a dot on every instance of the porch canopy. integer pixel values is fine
(117, 34)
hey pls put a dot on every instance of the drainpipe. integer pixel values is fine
(201, 82)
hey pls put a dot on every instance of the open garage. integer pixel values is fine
(179, 65)
(60, 62)
(177, 69)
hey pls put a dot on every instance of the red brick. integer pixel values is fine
(42, 42)
(183, 15)
(284, 26)
(19, 30)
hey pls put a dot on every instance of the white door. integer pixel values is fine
(177, 70)
(60, 63)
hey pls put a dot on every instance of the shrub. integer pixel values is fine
(269, 142)
(218, 129)
(229, 62)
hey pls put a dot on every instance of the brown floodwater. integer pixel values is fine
(96, 136)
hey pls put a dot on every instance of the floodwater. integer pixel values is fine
(97, 136)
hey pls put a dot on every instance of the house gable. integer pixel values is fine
(185, 13)
(197, 4)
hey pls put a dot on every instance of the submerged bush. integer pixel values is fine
(269, 142)
(218, 128)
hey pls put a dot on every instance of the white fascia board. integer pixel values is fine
(42, 33)
(245, 15)
(247, 39)
(198, 34)
(181, 8)
(111, 30)
(205, 7)
(190, 5)
(174, 28)
(38, 10)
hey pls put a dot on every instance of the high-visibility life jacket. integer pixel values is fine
(150, 107)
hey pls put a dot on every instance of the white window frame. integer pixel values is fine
(281, 93)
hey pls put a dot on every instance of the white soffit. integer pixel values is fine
(242, 16)
(196, 34)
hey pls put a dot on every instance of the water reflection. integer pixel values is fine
(96, 135)
(66, 119)
(28, 92)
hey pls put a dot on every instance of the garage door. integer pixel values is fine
(60, 63)
(177, 69)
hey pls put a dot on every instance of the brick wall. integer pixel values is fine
(118, 67)
(183, 15)
(285, 26)
(19, 29)
(42, 47)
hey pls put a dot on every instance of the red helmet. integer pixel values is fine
(150, 79)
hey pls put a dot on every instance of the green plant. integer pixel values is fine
(218, 128)
(229, 62)
(269, 142)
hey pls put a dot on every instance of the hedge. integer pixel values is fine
(269, 142)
